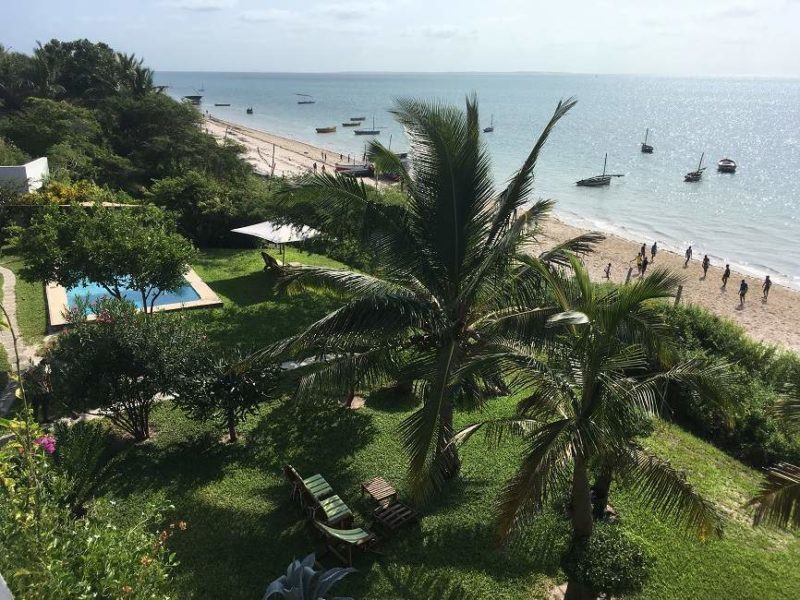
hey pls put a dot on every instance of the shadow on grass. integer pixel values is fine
(248, 289)
(390, 400)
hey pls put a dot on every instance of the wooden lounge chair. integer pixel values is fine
(333, 511)
(271, 265)
(342, 541)
(309, 489)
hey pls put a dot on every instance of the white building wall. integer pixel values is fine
(25, 178)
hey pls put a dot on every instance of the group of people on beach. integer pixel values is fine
(642, 262)
(743, 286)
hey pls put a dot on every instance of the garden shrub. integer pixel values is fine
(608, 562)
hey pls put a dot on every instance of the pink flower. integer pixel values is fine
(47, 443)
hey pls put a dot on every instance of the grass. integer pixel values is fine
(243, 530)
(31, 315)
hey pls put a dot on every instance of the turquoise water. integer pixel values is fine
(749, 219)
(92, 292)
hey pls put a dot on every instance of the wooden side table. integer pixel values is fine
(380, 490)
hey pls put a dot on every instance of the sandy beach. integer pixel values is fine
(263, 150)
(776, 321)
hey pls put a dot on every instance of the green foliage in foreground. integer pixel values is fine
(243, 529)
(753, 432)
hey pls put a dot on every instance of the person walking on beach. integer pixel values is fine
(608, 271)
(645, 262)
(743, 287)
(765, 287)
(643, 251)
(706, 264)
(688, 257)
(639, 264)
(315, 167)
(653, 250)
(725, 276)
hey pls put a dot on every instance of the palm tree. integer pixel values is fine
(589, 386)
(45, 71)
(444, 261)
(778, 500)
(134, 76)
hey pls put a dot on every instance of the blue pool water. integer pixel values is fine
(93, 292)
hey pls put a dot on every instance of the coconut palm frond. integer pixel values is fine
(665, 490)
(546, 463)
(339, 374)
(339, 281)
(582, 244)
(386, 161)
(778, 500)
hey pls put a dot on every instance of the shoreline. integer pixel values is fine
(776, 321)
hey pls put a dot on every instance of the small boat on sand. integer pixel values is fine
(697, 175)
(355, 169)
(599, 180)
(326, 129)
(646, 148)
(358, 119)
(726, 165)
(490, 128)
(351, 124)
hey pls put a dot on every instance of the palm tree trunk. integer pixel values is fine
(600, 491)
(232, 437)
(582, 522)
(449, 452)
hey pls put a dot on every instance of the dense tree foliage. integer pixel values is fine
(116, 247)
(120, 362)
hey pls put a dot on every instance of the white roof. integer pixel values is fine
(277, 234)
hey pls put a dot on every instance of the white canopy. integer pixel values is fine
(277, 234)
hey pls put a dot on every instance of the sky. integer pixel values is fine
(679, 37)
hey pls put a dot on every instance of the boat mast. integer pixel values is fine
(605, 160)
(700, 164)
(646, 133)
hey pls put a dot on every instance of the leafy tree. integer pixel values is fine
(15, 83)
(225, 390)
(43, 123)
(445, 262)
(588, 384)
(10, 154)
(121, 362)
(135, 248)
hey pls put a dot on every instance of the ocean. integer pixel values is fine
(748, 219)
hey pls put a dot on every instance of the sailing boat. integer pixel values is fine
(202, 87)
(305, 99)
(646, 148)
(599, 180)
(696, 175)
(490, 128)
(372, 131)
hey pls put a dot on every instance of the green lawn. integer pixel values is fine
(31, 315)
(243, 529)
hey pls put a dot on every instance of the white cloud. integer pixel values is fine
(269, 15)
(201, 5)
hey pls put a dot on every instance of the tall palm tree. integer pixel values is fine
(778, 500)
(589, 385)
(46, 68)
(133, 75)
(445, 261)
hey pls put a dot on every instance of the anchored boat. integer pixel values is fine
(646, 148)
(599, 180)
(305, 99)
(697, 175)
(326, 129)
(726, 165)
(372, 131)
(490, 128)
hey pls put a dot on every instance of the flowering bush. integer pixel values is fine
(46, 442)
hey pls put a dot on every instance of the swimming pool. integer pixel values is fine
(91, 292)
(194, 294)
